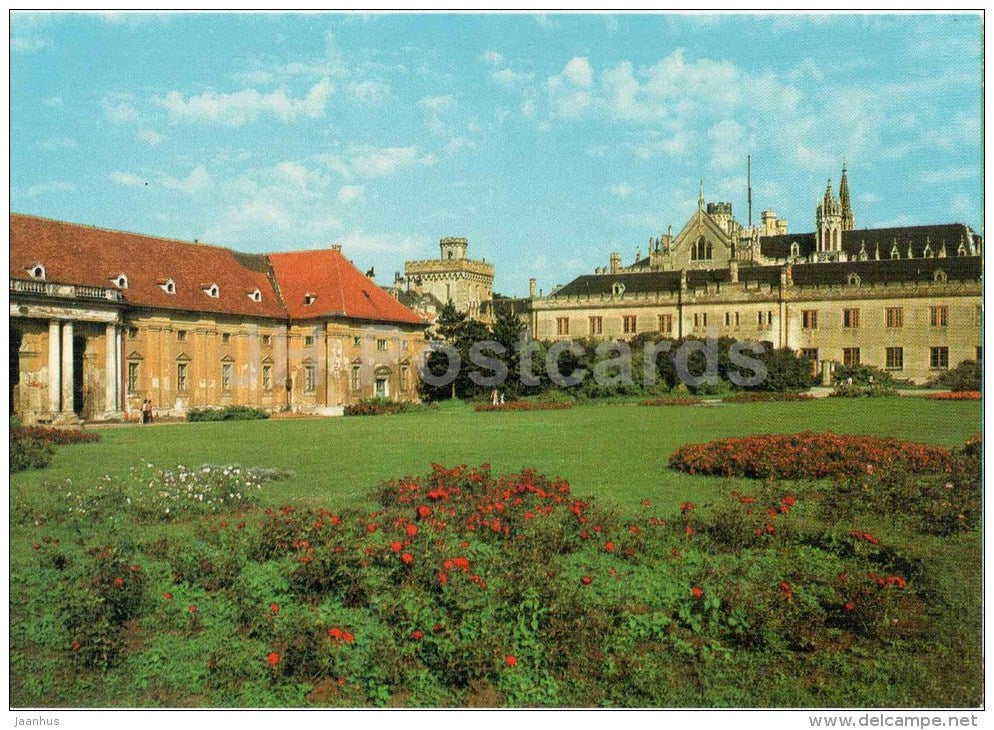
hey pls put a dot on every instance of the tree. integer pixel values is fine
(457, 330)
(507, 331)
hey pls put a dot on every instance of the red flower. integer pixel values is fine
(275, 608)
(407, 558)
(273, 658)
(395, 546)
(335, 633)
(689, 530)
(168, 596)
(586, 580)
(676, 553)
(687, 507)
(417, 634)
(850, 606)
(442, 577)
(609, 546)
(192, 608)
(424, 511)
(697, 592)
(118, 581)
(645, 502)
(348, 636)
(633, 529)
(36, 546)
(412, 530)
(75, 646)
(510, 660)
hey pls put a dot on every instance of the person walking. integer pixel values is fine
(146, 411)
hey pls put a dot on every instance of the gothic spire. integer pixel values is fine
(848, 223)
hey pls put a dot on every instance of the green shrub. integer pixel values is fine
(862, 375)
(228, 413)
(876, 390)
(385, 406)
(967, 376)
(27, 452)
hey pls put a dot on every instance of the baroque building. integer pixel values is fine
(907, 300)
(102, 320)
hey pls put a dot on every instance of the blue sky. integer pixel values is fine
(548, 141)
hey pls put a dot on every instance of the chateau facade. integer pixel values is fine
(907, 300)
(101, 320)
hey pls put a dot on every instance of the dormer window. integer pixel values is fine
(940, 276)
(853, 279)
(212, 291)
(37, 272)
(120, 281)
(795, 250)
(617, 289)
(310, 298)
(168, 286)
(255, 295)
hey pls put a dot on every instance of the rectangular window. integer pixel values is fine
(596, 325)
(404, 378)
(267, 377)
(225, 338)
(895, 358)
(629, 324)
(809, 319)
(666, 324)
(728, 319)
(309, 378)
(850, 356)
(381, 345)
(181, 335)
(357, 341)
(226, 376)
(132, 377)
(562, 325)
(132, 332)
(895, 317)
(736, 319)
(404, 344)
(356, 379)
(181, 376)
(308, 340)
(939, 358)
(940, 316)
(850, 318)
(704, 319)
(810, 352)
(267, 340)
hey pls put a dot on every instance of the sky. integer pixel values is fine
(548, 141)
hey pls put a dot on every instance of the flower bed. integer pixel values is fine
(806, 455)
(463, 587)
(670, 402)
(384, 407)
(523, 405)
(763, 396)
(956, 395)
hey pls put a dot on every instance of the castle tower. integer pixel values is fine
(453, 277)
(848, 223)
(453, 249)
(828, 223)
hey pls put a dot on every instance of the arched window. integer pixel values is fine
(854, 279)
(701, 251)
(795, 250)
(940, 276)
(37, 272)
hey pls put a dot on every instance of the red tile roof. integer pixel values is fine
(337, 287)
(84, 255)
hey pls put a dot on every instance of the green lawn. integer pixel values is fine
(617, 451)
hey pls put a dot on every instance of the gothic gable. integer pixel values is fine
(701, 243)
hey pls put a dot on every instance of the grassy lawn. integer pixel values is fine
(616, 452)
(682, 651)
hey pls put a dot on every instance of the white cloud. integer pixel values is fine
(373, 161)
(369, 92)
(677, 144)
(960, 204)
(731, 144)
(954, 173)
(125, 178)
(507, 77)
(121, 112)
(57, 143)
(28, 44)
(437, 103)
(243, 107)
(528, 108)
(578, 71)
(458, 144)
(52, 187)
(198, 181)
(869, 198)
(359, 242)
(621, 190)
(150, 136)
(349, 193)
(53, 102)
(492, 57)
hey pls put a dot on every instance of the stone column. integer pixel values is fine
(111, 369)
(68, 406)
(54, 384)
(119, 352)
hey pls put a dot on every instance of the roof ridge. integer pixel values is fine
(87, 226)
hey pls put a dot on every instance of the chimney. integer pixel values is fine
(615, 263)
(733, 271)
(532, 284)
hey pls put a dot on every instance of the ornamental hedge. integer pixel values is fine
(523, 405)
(806, 455)
(228, 413)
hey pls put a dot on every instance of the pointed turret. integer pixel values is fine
(848, 222)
